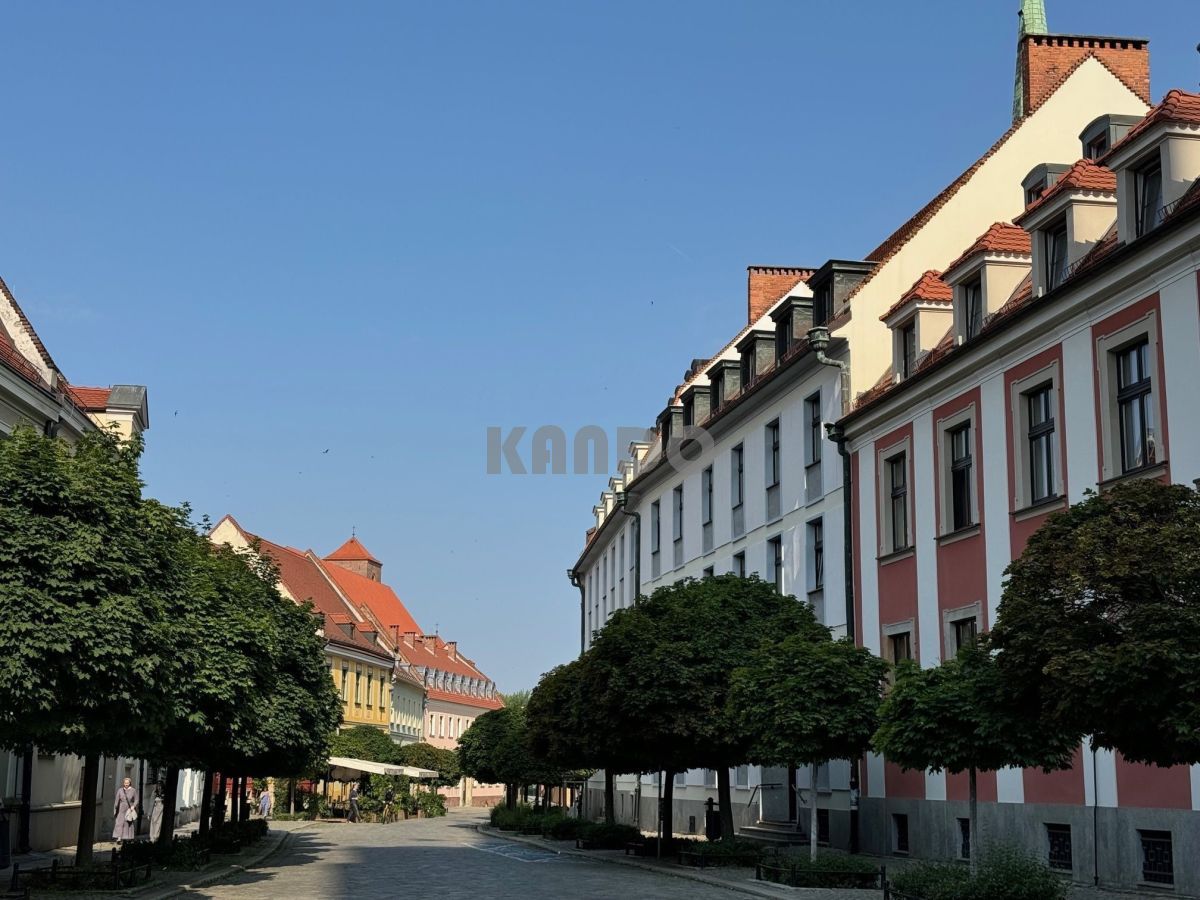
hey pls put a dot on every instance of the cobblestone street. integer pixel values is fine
(444, 858)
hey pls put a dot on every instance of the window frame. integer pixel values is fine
(1106, 347)
(775, 559)
(816, 554)
(1046, 378)
(738, 564)
(1056, 254)
(908, 347)
(952, 626)
(1152, 166)
(958, 441)
(737, 476)
(886, 496)
(1135, 395)
(771, 438)
(947, 427)
(973, 304)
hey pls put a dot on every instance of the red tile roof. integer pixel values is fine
(353, 551)
(929, 287)
(92, 399)
(1001, 237)
(302, 577)
(28, 326)
(902, 235)
(378, 597)
(1177, 107)
(1085, 175)
(464, 699)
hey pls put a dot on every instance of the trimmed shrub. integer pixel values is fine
(563, 828)
(431, 805)
(608, 837)
(828, 870)
(1005, 873)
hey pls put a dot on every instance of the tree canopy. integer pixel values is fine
(1099, 626)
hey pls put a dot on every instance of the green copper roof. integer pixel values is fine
(1031, 19)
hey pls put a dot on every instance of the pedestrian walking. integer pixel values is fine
(125, 812)
(389, 808)
(265, 803)
(156, 812)
(353, 817)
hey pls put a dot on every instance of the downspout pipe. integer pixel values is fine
(622, 500)
(574, 577)
(818, 339)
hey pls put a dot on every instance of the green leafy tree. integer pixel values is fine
(516, 698)
(495, 749)
(1099, 626)
(802, 700)
(80, 586)
(367, 743)
(666, 665)
(957, 717)
(427, 756)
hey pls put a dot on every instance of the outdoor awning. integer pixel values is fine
(343, 768)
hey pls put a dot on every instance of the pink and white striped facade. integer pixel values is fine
(928, 573)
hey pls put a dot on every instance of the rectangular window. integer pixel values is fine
(900, 646)
(1058, 840)
(741, 776)
(345, 682)
(964, 838)
(357, 686)
(908, 349)
(677, 525)
(973, 309)
(816, 549)
(1149, 198)
(897, 484)
(706, 495)
(706, 509)
(1158, 864)
(739, 564)
(959, 440)
(370, 690)
(772, 447)
(900, 834)
(655, 526)
(772, 470)
(1056, 255)
(737, 492)
(775, 559)
(1039, 410)
(813, 488)
(823, 304)
(963, 632)
(708, 572)
(737, 475)
(1135, 407)
(680, 779)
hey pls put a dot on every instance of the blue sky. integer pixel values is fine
(378, 228)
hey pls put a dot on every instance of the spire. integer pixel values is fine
(1031, 19)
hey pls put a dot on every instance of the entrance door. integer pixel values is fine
(775, 792)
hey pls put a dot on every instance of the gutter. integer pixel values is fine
(818, 339)
(574, 578)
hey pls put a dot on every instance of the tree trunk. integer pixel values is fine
(292, 796)
(218, 818)
(510, 796)
(170, 789)
(725, 801)
(812, 813)
(244, 801)
(973, 821)
(667, 813)
(23, 845)
(87, 810)
(205, 804)
(610, 794)
(235, 802)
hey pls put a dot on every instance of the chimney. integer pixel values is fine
(1044, 59)
(409, 638)
(452, 649)
(766, 285)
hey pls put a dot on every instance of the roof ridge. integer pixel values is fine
(32, 332)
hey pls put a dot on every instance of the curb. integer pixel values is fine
(754, 890)
(230, 870)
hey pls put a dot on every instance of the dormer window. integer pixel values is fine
(716, 390)
(747, 368)
(972, 308)
(823, 304)
(1099, 137)
(1149, 197)
(1096, 147)
(1056, 255)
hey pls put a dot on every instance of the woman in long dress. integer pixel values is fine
(156, 812)
(127, 800)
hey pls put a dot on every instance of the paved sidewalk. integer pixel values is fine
(730, 878)
(164, 884)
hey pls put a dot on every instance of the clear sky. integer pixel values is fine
(375, 229)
